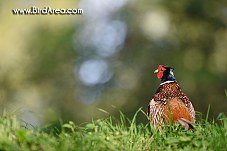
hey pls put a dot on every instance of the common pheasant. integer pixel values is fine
(170, 104)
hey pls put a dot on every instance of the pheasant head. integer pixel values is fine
(165, 73)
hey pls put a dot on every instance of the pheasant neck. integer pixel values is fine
(167, 82)
(168, 78)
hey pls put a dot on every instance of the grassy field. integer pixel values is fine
(113, 134)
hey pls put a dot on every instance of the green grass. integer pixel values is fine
(113, 134)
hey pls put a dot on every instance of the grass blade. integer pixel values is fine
(208, 112)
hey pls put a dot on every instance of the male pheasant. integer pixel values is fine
(170, 104)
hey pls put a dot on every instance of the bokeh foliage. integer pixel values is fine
(40, 55)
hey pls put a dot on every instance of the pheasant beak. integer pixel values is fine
(156, 71)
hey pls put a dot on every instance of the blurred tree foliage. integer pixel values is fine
(189, 35)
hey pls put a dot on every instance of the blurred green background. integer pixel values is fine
(69, 66)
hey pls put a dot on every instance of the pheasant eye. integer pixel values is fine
(161, 68)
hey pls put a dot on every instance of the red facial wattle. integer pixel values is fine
(161, 69)
(160, 74)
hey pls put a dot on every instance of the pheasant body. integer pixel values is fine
(170, 104)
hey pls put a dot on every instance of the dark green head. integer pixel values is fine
(165, 73)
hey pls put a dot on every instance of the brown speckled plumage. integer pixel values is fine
(170, 104)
